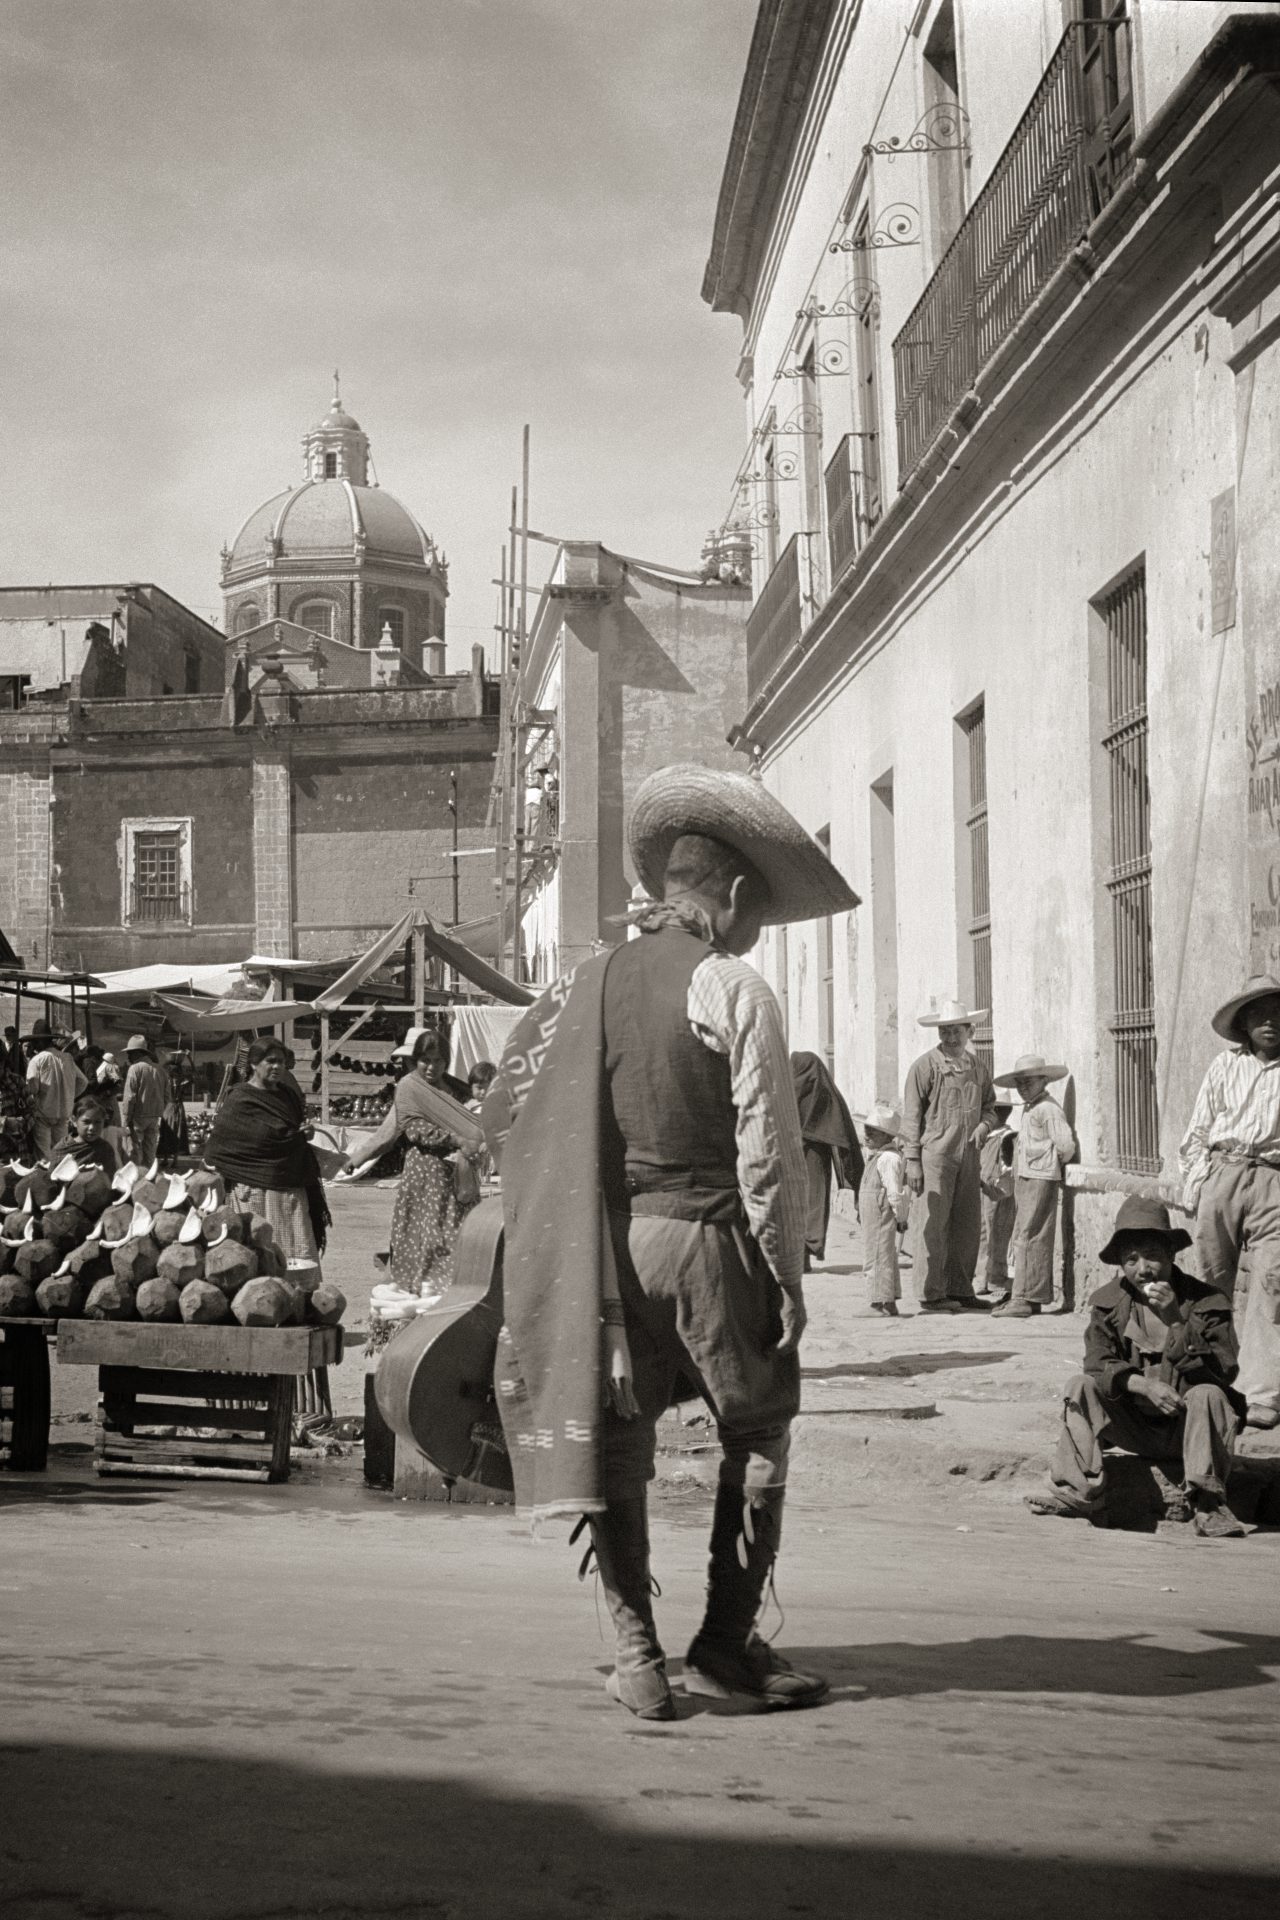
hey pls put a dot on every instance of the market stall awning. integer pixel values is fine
(232, 1016)
(451, 952)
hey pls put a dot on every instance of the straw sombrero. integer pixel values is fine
(1031, 1063)
(952, 1013)
(735, 808)
(883, 1116)
(1258, 987)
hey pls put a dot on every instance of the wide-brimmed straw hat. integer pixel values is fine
(951, 1013)
(137, 1043)
(883, 1116)
(1259, 986)
(1028, 1064)
(1139, 1215)
(735, 808)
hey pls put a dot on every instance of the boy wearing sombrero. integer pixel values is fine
(884, 1202)
(1045, 1144)
(1230, 1160)
(654, 1199)
(1159, 1362)
(948, 1109)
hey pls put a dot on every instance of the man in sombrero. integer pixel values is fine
(654, 1194)
(1159, 1367)
(948, 1109)
(1230, 1160)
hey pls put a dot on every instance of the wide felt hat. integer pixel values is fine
(951, 1013)
(1257, 987)
(41, 1030)
(1139, 1215)
(136, 1043)
(883, 1116)
(1027, 1064)
(737, 809)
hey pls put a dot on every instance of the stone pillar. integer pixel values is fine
(273, 849)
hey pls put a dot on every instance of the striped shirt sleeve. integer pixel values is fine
(733, 1012)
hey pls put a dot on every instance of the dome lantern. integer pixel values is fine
(338, 447)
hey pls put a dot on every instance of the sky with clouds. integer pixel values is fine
(483, 211)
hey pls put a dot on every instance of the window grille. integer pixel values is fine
(975, 731)
(826, 974)
(1128, 880)
(331, 466)
(158, 889)
(318, 616)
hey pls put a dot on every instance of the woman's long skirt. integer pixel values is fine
(424, 1226)
(290, 1217)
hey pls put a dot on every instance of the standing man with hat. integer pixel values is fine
(54, 1082)
(143, 1101)
(1045, 1144)
(654, 1195)
(1159, 1362)
(1230, 1160)
(948, 1109)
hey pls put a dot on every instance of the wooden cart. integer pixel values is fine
(150, 1373)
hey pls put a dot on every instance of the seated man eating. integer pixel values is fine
(1159, 1359)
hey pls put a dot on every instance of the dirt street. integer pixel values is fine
(316, 1700)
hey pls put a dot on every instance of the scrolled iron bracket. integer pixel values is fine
(943, 128)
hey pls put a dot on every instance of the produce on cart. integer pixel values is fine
(145, 1246)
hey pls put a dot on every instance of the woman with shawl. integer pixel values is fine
(439, 1184)
(260, 1147)
(830, 1146)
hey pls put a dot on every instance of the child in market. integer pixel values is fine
(884, 1202)
(84, 1141)
(1045, 1145)
(995, 1171)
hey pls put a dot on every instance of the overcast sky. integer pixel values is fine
(482, 211)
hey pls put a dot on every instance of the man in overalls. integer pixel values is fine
(948, 1109)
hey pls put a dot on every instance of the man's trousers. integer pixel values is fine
(1091, 1420)
(1239, 1214)
(948, 1224)
(699, 1300)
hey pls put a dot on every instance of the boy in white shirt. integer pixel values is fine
(1045, 1144)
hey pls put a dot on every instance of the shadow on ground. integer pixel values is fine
(900, 1365)
(128, 1832)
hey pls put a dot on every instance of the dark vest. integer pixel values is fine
(669, 1141)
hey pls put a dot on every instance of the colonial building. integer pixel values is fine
(1010, 286)
(338, 554)
(107, 641)
(627, 668)
(158, 830)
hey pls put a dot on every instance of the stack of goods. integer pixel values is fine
(154, 1246)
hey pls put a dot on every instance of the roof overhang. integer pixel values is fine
(785, 50)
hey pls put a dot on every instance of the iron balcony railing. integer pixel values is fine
(1066, 159)
(153, 908)
(780, 614)
(852, 481)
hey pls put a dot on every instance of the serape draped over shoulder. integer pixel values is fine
(543, 1123)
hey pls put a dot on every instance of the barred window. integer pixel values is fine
(974, 726)
(1128, 879)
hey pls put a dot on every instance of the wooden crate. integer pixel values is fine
(227, 1390)
(245, 1441)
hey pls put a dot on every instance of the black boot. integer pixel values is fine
(727, 1657)
(620, 1536)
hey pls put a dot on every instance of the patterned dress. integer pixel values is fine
(424, 1226)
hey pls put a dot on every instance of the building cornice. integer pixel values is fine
(786, 48)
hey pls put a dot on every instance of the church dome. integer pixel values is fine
(329, 517)
(334, 512)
